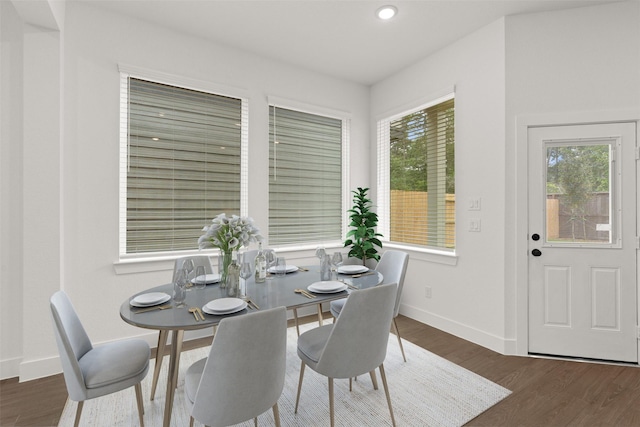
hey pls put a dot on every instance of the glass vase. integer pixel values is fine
(223, 266)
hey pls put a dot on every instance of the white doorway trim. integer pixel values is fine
(521, 221)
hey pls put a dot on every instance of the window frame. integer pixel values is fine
(128, 71)
(383, 179)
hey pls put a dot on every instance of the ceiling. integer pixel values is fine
(339, 38)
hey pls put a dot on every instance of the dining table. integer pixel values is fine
(278, 290)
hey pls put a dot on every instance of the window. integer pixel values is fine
(181, 164)
(306, 158)
(416, 176)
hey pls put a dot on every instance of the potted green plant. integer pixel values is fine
(362, 238)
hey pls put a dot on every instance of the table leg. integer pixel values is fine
(295, 318)
(320, 314)
(162, 345)
(172, 378)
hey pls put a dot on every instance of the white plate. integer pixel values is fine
(223, 312)
(207, 279)
(287, 269)
(223, 305)
(152, 298)
(352, 269)
(327, 287)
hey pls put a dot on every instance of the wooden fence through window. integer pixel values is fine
(412, 206)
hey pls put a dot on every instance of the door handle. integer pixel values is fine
(536, 252)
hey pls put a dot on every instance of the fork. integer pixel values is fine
(349, 285)
(363, 274)
(305, 293)
(162, 307)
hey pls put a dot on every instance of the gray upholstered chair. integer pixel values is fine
(393, 267)
(250, 257)
(197, 261)
(355, 344)
(244, 373)
(91, 372)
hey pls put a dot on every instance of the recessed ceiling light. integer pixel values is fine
(386, 12)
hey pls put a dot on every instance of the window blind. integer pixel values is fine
(305, 179)
(183, 164)
(417, 175)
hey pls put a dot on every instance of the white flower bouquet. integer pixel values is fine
(229, 234)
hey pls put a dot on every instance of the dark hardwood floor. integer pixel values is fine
(545, 392)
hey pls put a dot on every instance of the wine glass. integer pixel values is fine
(188, 266)
(336, 261)
(320, 252)
(270, 256)
(245, 274)
(281, 266)
(200, 278)
(180, 287)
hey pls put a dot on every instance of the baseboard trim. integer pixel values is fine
(10, 368)
(460, 330)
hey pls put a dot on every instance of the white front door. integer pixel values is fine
(582, 241)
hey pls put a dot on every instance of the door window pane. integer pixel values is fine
(578, 194)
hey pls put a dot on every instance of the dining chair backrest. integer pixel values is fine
(244, 373)
(351, 260)
(393, 267)
(358, 340)
(250, 257)
(73, 343)
(198, 260)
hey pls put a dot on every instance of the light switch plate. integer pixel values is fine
(474, 204)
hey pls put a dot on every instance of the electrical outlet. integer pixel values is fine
(474, 224)
(427, 291)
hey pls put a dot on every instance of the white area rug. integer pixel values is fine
(427, 390)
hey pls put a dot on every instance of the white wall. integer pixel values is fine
(77, 164)
(467, 298)
(571, 66)
(10, 190)
(577, 63)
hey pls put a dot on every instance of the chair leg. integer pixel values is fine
(295, 318)
(397, 332)
(255, 421)
(138, 388)
(386, 392)
(78, 414)
(190, 421)
(350, 384)
(276, 414)
(162, 345)
(374, 380)
(331, 409)
(299, 386)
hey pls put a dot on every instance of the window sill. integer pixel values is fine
(166, 262)
(150, 263)
(424, 254)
